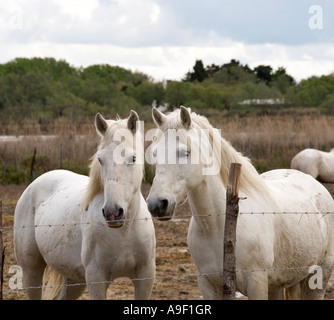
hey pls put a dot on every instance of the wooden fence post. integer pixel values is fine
(232, 210)
(32, 171)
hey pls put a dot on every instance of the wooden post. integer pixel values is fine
(32, 173)
(232, 210)
(61, 155)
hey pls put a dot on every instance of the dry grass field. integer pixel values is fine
(269, 141)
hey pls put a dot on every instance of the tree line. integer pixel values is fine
(46, 88)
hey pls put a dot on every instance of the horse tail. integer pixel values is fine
(52, 281)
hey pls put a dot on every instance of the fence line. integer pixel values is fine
(171, 276)
(176, 218)
(158, 278)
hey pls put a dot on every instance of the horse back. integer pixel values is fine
(47, 217)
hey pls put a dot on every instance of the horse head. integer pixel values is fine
(117, 167)
(179, 159)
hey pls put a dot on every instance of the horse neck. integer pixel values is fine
(133, 209)
(208, 201)
(208, 204)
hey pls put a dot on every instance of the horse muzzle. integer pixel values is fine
(161, 209)
(115, 217)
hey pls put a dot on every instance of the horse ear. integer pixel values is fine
(101, 124)
(158, 117)
(185, 117)
(132, 121)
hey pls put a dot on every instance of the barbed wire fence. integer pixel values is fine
(164, 277)
(13, 284)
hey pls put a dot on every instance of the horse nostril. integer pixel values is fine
(120, 211)
(103, 212)
(164, 205)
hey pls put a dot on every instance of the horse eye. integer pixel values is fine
(155, 153)
(134, 159)
(99, 160)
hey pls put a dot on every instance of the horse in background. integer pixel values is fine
(318, 164)
(89, 230)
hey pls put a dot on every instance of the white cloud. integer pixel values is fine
(78, 8)
(164, 38)
(173, 62)
(155, 13)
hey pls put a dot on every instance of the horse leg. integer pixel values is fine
(257, 286)
(97, 283)
(32, 263)
(276, 294)
(27, 253)
(70, 290)
(143, 282)
(315, 289)
(208, 289)
(293, 292)
(33, 271)
(314, 285)
(143, 288)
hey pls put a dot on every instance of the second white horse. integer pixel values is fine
(319, 164)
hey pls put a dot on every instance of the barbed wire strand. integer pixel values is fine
(157, 278)
(175, 218)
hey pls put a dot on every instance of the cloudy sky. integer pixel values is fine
(163, 38)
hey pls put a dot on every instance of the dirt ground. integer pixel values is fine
(176, 274)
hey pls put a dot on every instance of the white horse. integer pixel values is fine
(273, 251)
(90, 230)
(319, 164)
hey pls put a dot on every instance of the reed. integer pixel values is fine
(270, 142)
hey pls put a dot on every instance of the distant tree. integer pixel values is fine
(281, 80)
(22, 66)
(264, 73)
(247, 69)
(314, 91)
(114, 74)
(176, 93)
(232, 73)
(281, 72)
(198, 74)
(211, 70)
(232, 63)
(146, 92)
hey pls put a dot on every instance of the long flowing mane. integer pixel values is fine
(95, 185)
(250, 179)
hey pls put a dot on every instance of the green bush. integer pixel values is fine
(10, 174)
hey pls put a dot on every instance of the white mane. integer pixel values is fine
(249, 179)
